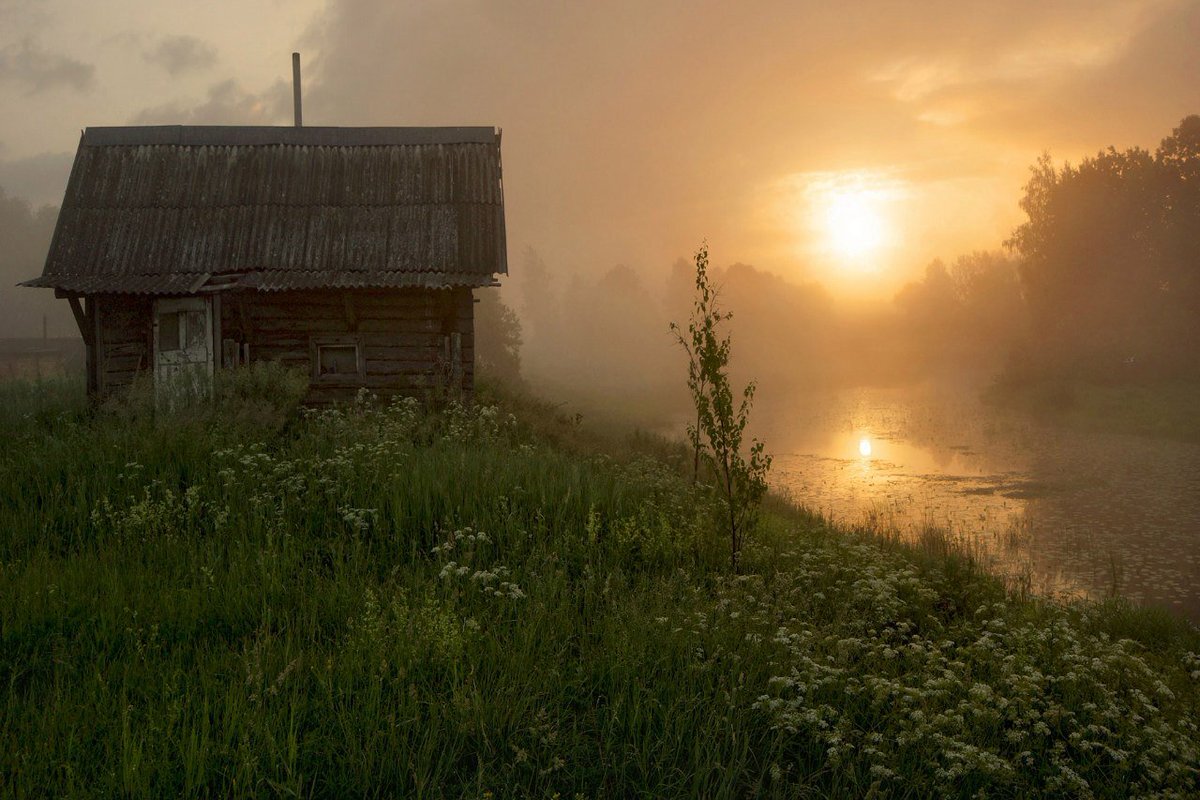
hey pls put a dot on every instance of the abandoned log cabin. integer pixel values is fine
(352, 253)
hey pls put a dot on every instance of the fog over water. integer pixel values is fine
(1071, 513)
(876, 418)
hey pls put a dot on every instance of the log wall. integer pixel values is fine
(404, 335)
(412, 341)
(124, 349)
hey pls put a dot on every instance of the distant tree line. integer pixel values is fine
(600, 335)
(970, 313)
(497, 339)
(25, 234)
(1110, 264)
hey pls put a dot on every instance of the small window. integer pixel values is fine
(337, 359)
(168, 331)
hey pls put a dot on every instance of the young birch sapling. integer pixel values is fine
(716, 437)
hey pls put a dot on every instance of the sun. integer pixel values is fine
(848, 224)
(854, 227)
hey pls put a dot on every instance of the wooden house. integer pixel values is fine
(349, 252)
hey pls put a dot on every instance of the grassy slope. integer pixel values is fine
(375, 602)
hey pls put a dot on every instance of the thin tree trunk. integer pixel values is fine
(733, 538)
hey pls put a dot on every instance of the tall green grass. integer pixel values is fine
(250, 598)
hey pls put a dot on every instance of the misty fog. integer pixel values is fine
(411, 455)
(603, 341)
(889, 245)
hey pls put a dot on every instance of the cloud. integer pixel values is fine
(38, 70)
(38, 180)
(1055, 77)
(633, 129)
(179, 54)
(228, 103)
(25, 15)
(1133, 98)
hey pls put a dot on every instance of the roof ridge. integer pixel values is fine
(440, 204)
(261, 135)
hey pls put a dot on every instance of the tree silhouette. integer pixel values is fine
(1110, 260)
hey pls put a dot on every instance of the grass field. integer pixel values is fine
(250, 599)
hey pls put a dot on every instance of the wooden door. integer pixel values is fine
(183, 348)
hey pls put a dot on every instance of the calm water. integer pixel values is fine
(1076, 513)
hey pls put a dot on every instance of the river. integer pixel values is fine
(1066, 512)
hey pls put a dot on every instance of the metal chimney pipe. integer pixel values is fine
(296, 89)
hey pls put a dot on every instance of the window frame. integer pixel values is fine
(160, 331)
(358, 378)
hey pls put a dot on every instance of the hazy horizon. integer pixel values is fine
(633, 132)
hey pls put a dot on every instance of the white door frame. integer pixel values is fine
(195, 357)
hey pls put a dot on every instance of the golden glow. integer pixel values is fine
(853, 224)
(864, 447)
(846, 225)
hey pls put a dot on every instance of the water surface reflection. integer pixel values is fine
(1076, 513)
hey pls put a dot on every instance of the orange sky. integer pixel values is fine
(635, 129)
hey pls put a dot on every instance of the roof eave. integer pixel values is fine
(270, 281)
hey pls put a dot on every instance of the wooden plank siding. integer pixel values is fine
(402, 333)
(123, 347)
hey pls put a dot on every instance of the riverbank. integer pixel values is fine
(500, 602)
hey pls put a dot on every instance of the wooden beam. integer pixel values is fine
(243, 316)
(231, 353)
(81, 319)
(217, 338)
(351, 315)
(97, 343)
(456, 365)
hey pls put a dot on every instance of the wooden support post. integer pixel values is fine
(97, 343)
(243, 317)
(217, 339)
(81, 319)
(351, 315)
(231, 353)
(456, 364)
(88, 322)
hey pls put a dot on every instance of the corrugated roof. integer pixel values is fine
(266, 281)
(195, 135)
(124, 284)
(156, 209)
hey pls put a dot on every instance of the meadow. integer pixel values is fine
(249, 598)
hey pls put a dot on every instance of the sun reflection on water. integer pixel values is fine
(1061, 513)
